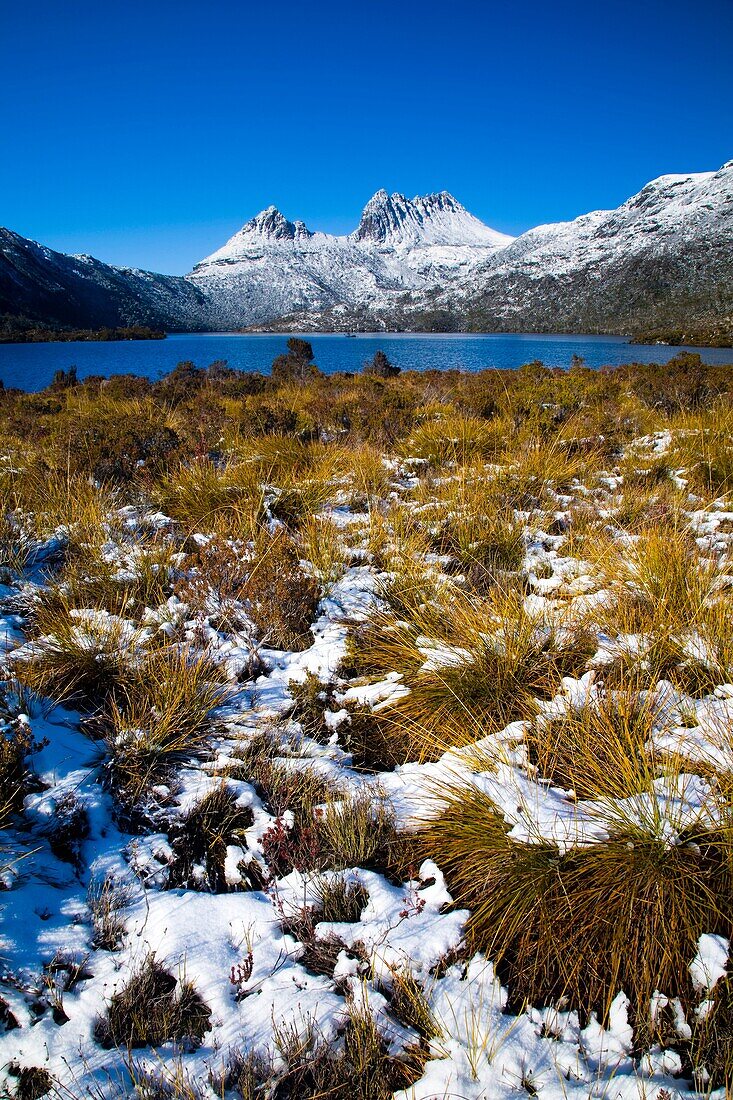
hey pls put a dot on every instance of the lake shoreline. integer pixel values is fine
(32, 366)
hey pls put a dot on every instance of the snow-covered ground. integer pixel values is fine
(239, 948)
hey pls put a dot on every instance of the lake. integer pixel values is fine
(32, 366)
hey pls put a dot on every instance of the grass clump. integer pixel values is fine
(107, 897)
(328, 832)
(339, 899)
(357, 832)
(667, 581)
(203, 495)
(57, 502)
(359, 1067)
(535, 469)
(471, 664)
(153, 1008)
(483, 544)
(454, 439)
(248, 1076)
(711, 1050)
(162, 713)
(703, 445)
(81, 655)
(31, 1082)
(407, 1001)
(675, 599)
(599, 749)
(624, 914)
(201, 838)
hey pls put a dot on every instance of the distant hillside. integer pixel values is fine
(49, 287)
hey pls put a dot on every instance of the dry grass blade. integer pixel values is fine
(81, 654)
(472, 664)
(601, 748)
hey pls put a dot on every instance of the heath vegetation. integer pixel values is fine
(368, 735)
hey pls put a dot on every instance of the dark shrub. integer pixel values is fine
(297, 365)
(153, 1008)
(380, 367)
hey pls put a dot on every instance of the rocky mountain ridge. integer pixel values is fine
(664, 258)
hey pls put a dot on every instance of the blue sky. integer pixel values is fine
(146, 133)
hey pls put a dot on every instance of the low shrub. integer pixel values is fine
(200, 840)
(153, 1008)
(282, 598)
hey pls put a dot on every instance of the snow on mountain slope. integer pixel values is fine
(50, 287)
(663, 258)
(664, 254)
(393, 221)
(669, 211)
(273, 266)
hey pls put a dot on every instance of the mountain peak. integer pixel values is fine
(393, 221)
(273, 225)
(378, 199)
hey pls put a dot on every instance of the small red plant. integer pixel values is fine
(294, 849)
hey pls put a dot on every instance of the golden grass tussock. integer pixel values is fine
(471, 664)
(322, 545)
(625, 914)
(664, 570)
(533, 467)
(601, 749)
(358, 831)
(78, 655)
(204, 495)
(57, 502)
(703, 446)
(162, 712)
(455, 439)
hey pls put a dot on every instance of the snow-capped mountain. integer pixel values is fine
(662, 259)
(273, 266)
(392, 221)
(81, 292)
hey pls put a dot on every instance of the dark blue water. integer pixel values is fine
(32, 366)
